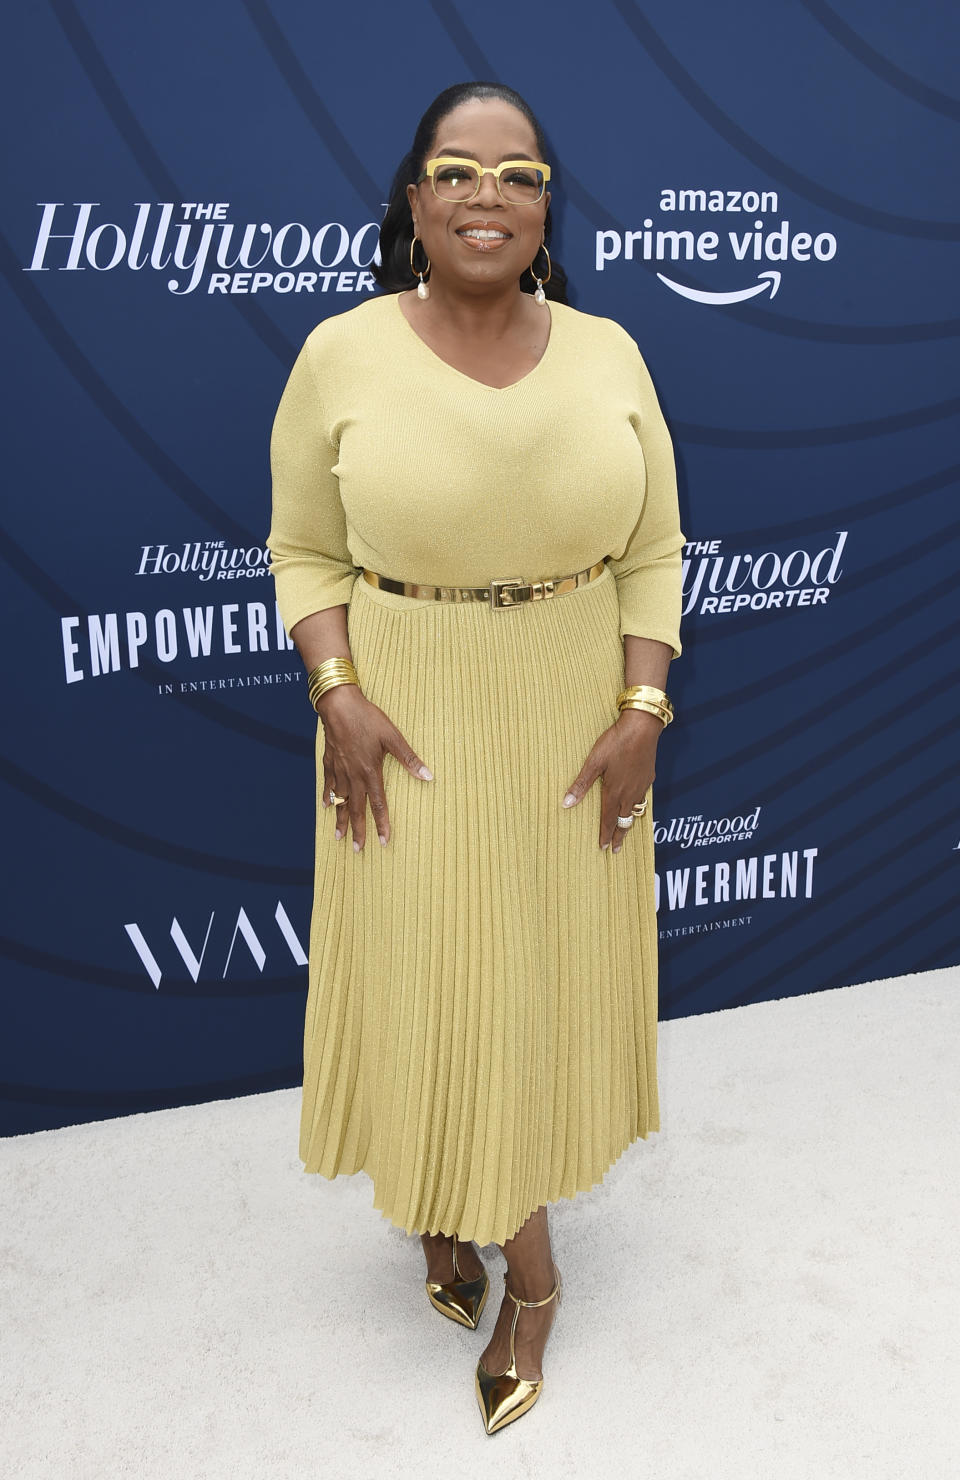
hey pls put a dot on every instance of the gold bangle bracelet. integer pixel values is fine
(316, 694)
(324, 681)
(321, 680)
(645, 691)
(654, 703)
(318, 689)
(329, 674)
(330, 666)
(658, 713)
(664, 715)
(646, 696)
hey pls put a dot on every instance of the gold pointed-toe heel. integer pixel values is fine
(504, 1396)
(459, 1299)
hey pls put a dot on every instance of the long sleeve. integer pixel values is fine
(648, 571)
(311, 563)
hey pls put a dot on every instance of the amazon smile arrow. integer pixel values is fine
(699, 296)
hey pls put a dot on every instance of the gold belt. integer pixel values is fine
(502, 592)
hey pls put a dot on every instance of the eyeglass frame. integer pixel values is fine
(430, 168)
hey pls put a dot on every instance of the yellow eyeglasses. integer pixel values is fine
(519, 181)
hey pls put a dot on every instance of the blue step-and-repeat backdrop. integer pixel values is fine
(764, 194)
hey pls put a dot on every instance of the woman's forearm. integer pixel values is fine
(322, 635)
(645, 660)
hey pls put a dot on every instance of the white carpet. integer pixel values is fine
(766, 1290)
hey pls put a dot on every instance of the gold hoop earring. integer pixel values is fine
(423, 288)
(540, 296)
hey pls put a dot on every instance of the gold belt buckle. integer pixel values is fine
(498, 601)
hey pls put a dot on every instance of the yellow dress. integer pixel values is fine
(481, 1021)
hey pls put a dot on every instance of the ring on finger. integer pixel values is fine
(334, 799)
(625, 822)
(639, 808)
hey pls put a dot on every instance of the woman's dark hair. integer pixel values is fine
(396, 230)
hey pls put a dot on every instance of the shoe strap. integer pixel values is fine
(530, 1303)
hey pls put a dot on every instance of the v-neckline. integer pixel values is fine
(471, 379)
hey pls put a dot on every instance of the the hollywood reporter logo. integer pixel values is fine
(700, 832)
(715, 583)
(292, 258)
(208, 560)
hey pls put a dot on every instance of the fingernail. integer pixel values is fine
(338, 834)
(382, 839)
(617, 847)
(604, 845)
(427, 775)
(569, 799)
(356, 846)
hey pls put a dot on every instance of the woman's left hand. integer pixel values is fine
(625, 756)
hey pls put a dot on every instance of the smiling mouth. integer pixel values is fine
(484, 237)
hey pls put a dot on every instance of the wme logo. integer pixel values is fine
(193, 960)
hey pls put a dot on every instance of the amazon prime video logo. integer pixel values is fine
(753, 243)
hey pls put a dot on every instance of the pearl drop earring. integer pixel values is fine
(540, 296)
(423, 288)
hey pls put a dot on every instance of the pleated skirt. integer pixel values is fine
(480, 1034)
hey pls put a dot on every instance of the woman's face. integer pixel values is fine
(489, 131)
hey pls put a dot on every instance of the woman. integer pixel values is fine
(476, 547)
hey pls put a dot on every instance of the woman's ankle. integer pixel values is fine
(536, 1283)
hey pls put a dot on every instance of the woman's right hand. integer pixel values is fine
(358, 735)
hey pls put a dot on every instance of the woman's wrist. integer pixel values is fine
(341, 696)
